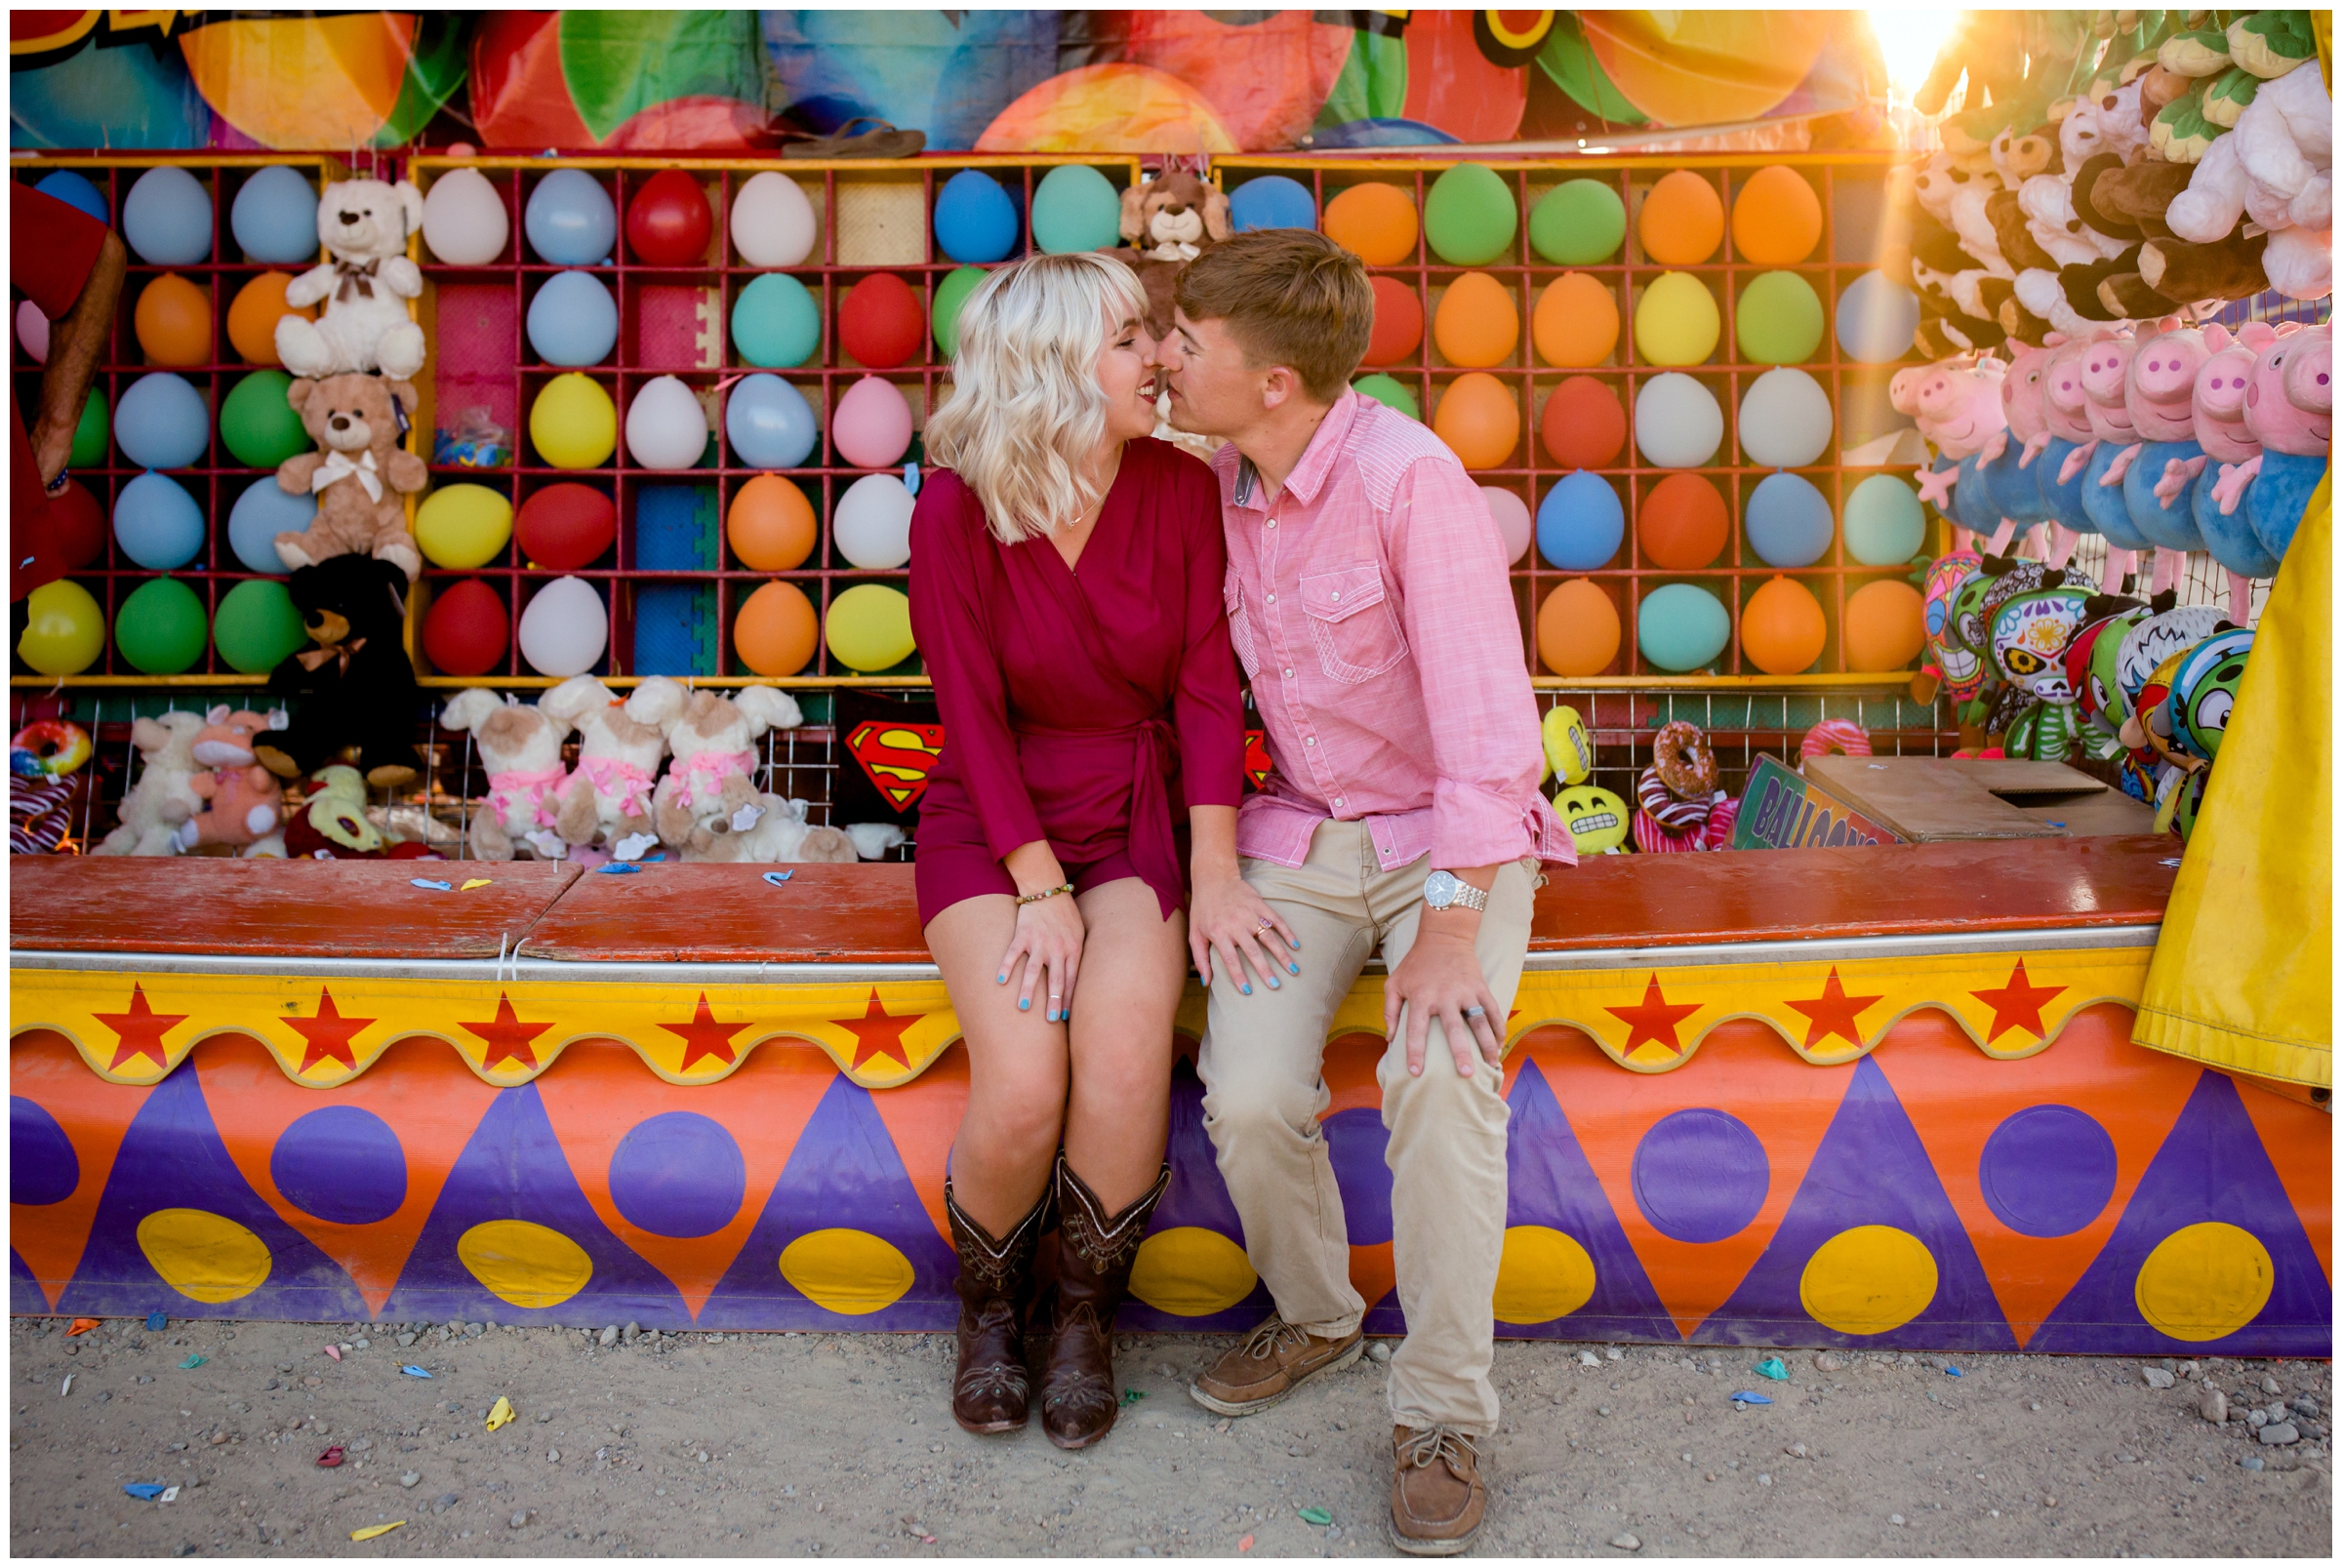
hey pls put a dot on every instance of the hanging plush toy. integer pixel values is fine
(364, 225)
(2204, 693)
(2160, 394)
(714, 766)
(1951, 667)
(520, 750)
(2289, 409)
(243, 802)
(2031, 615)
(605, 807)
(1569, 749)
(2227, 442)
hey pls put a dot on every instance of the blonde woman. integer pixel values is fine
(1066, 587)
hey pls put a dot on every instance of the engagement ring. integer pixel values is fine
(1476, 1012)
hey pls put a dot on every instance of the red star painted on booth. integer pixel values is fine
(1834, 1012)
(879, 1033)
(704, 1037)
(140, 1030)
(1655, 1020)
(2019, 1002)
(328, 1035)
(506, 1035)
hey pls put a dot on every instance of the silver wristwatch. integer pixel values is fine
(1444, 890)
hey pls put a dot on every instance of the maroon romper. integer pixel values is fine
(1089, 706)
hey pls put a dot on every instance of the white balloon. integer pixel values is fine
(872, 522)
(1677, 423)
(1783, 420)
(1512, 519)
(565, 628)
(33, 331)
(666, 427)
(463, 218)
(773, 225)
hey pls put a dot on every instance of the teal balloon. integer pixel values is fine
(1680, 626)
(1468, 216)
(1578, 223)
(167, 217)
(1884, 524)
(950, 296)
(257, 424)
(274, 217)
(157, 523)
(775, 323)
(1390, 392)
(160, 627)
(256, 628)
(162, 421)
(1075, 208)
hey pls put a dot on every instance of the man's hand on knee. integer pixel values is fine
(1440, 977)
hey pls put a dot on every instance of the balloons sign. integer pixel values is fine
(573, 320)
(467, 630)
(871, 525)
(1510, 514)
(573, 424)
(173, 322)
(973, 219)
(879, 322)
(162, 422)
(1374, 220)
(1682, 220)
(1577, 630)
(157, 523)
(463, 221)
(570, 219)
(1676, 320)
(253, 315)
(463, 525)
(772, 222)
(1469, 214)
(64, 631)
(771, 525)
(1778, 320)
(1885, 525)
(75, 190)
(775, 323)
(776, 630)
(1271, 201)
(667, 221)
(160, 627)
(1782, 630)
(1398, 322)
(564, 629)
(769, 422)
(257, 424)
(1885, 627)
(264, 511)
(1579, 223)
(1785, 420)
(1776, 218)
(1576, 322)
(1682, 525)
(1580, 523)
(1677, 423)
(257, 628)
(1390, 392)
(166, 218)
(870, 628)
(667, 429)
(1788, 521)
(1477, 324)
(1876, 317)
(1680, 626)
(1074, 208)
(1583, 424)
(565, 527)
(872, 428)
(949, 294)
(274, 220)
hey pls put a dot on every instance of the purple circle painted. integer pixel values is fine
(678, 1175)
(2047, 1171)
(342, 1165)
(42, 1167)
(1700, 1175)
(1356, 1141)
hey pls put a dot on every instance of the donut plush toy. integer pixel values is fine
(48, 749)
(1833, 738)
(1679, 806)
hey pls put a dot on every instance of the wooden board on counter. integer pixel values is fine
(729, 914)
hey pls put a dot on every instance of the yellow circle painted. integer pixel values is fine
(1192, 1272)
(2205, 1283)
(846, 1270)
(1868, 1280)
(526, 1265)
(1544, 1274)
(203, 1256)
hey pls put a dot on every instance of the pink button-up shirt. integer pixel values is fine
(1369, 605)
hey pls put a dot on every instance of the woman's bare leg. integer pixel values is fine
(1006, 1147)
(1134, 965)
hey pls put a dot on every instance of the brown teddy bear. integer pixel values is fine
(358, 475)
(1170, 221)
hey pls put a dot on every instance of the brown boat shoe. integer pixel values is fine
(1437, 1498)
(1273, 1361)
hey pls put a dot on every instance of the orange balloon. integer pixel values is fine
(1776, 219)
(770, 526)
(1886, 626)
(1584, 424)
(1682, 524)
(1478, 323)
(1781, 627)
(1682, 220)
(777, 630)
(1577, 630)
(1478, 417)
(1576, 322)
(251, 316)
(173, 322)
(1376, 220)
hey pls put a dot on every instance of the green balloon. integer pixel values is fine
(257, 424)
(1778, 320)
(1883, 523)
(1578, 223)
(257, 628)
(160, 627)
(1074, 208)
(1390, 392)
(91, 436)
(775, 323)
(1468, 216)
(949, 294)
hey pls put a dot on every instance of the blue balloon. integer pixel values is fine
(1680, 626)
(1580, 523)
(157, 523)
(769, 422)
(1271, 201)
(1875, 319)
(573, 320)
(162, 422)
(1788, 521)
(260, 515)
(571, 220)
(274, 217)
(167, 217)
(75, 191)
(975, 221)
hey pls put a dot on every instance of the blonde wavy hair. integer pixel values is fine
(1025, 410)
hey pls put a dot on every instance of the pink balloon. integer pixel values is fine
(33, 331)
(871, 428)
(1512, 519)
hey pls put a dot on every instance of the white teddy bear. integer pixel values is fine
(165, 795)
(365, 224)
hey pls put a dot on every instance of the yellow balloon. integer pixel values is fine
(573, 424)
(64, 631)
(869, 628)
(463, 526)
(1675, 321)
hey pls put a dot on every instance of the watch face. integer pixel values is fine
(1439, 889)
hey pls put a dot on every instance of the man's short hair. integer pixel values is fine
(1289, 297)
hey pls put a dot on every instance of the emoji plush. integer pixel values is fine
(1597, 818)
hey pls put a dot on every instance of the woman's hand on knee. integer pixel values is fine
(1228, 919)
(1048, 943)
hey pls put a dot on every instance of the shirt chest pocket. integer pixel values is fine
(1240, 624)
(1352, 621)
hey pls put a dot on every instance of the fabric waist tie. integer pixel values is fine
(1152, 849)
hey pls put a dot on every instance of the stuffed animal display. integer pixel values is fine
(243, 806)
(352, 689)
(164, 795)
(365, 225)
(709, 807)
(1169, 220)
(606, 804)
(358, 473)
(521, 747)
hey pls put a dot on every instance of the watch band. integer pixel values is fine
(1468, 897)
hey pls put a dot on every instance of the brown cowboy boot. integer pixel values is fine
(1093, 1257)
(989, 1391)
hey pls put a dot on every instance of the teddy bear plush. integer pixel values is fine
(607, 800)
(353, 688)
(164, 797)
(365, 224)
(768, 830)
(520, 748)
(243, 802)
(358, 473)
(714, 765)
(1169, 220)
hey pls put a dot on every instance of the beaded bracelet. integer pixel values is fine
(1045, 893)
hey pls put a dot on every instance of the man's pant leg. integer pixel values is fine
(1261, 1064)
(1447, 1171)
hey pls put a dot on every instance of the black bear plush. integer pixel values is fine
(352, 689)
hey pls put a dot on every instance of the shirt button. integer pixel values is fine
(1337, 802)
(1272, 522)
(1288, 674)
(1334, 596)
(1311, 740)
(1272, 598)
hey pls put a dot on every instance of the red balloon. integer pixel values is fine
(1584, 424)
(1397, 323)
(879, 321)
(467, 629)
(79, 525)
(668, 222)
(564, 527)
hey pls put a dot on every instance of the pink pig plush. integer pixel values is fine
(2161, 389)
(1958, 406)
(2289, 409)
(2105, 377)
(2021, 393)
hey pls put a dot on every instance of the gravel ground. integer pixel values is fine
(842, 1445)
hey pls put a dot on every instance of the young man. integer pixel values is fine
(1369, 601)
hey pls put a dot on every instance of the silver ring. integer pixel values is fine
(1476, 1012)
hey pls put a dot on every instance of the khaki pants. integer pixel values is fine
(1261, 1063)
